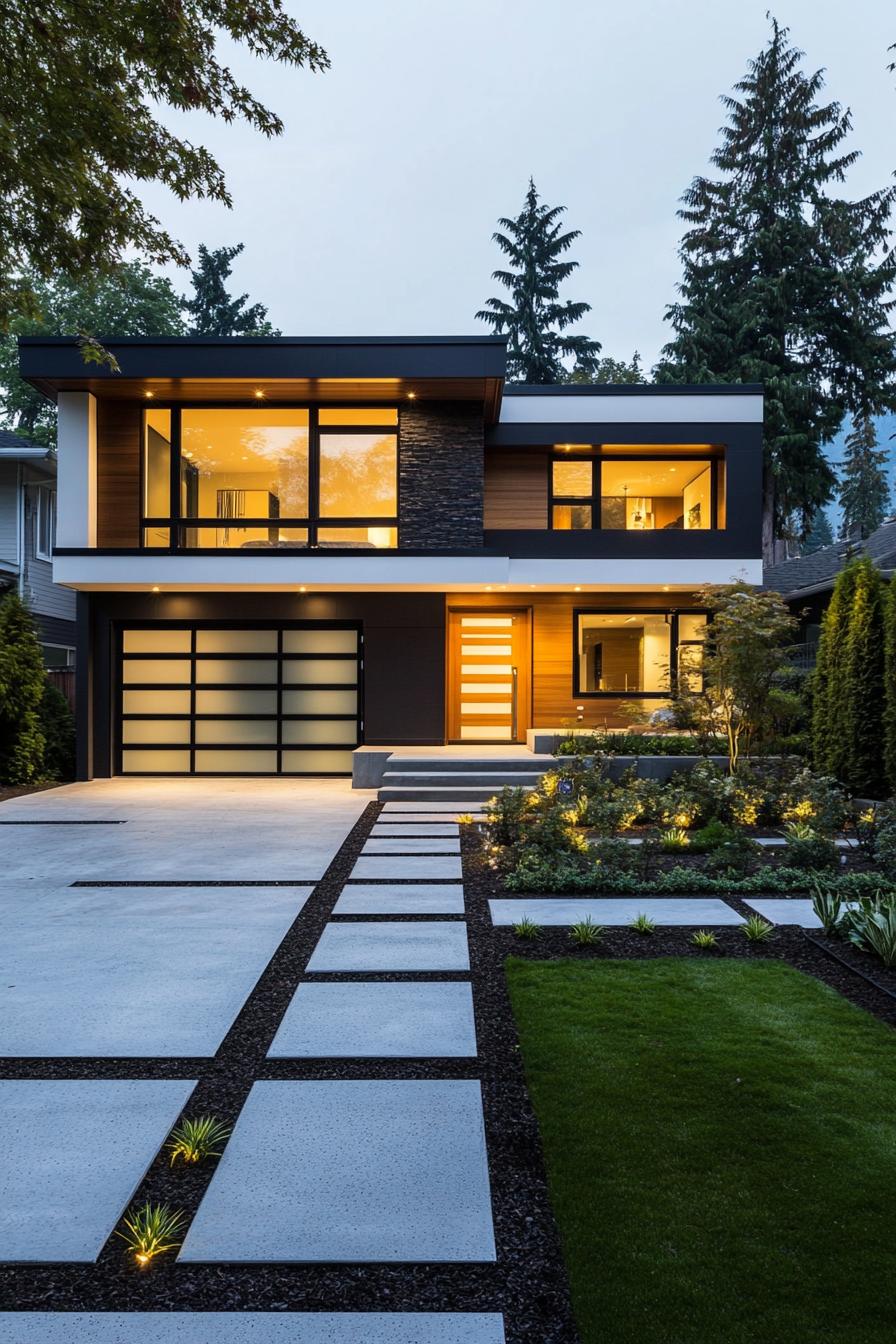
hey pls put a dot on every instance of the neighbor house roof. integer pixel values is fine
(816, 572)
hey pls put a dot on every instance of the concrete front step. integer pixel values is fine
(449, 765)
(494, 779)
(437, 793)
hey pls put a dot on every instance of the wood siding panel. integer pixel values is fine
(118, 473)
(553, 702)
(516, 490)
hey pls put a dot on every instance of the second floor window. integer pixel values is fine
(270, 477)
(635, 493)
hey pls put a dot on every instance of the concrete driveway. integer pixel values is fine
(178, 830)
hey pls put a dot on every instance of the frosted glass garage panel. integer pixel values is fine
(320, 671)
(315, 731)
(237, 670)
(236, 641)
(227, 732)
(155, 702)
(148, 731)
(320, 641)
(235, 700)
(158, 640)
(317, 762)
(320, 702)
(236, 762)
(172, 670)
(155, 762)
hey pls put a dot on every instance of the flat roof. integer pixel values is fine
(633, 389)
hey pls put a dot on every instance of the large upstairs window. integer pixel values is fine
(258, 478)
(637, 490)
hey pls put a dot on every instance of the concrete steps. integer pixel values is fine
(461, 779)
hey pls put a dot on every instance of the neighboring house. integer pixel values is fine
(27, 527)
(807, 581)
(283, 548)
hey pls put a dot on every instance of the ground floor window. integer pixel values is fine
(637, 652)
(58, 656)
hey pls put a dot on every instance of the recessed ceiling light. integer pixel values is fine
(155, 588)
(488, 587)
(578, 587)
(303, 589)
(259, 395)
(412, 396)
(149, 394)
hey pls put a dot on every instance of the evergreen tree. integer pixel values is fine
(784, 283)
(820, 533)
(213, 310)
(889, 714)
(22, 682)
(864, 488)
(829, 678)
(132, 302)
(536, 319)
(609, 370)
(863, 691)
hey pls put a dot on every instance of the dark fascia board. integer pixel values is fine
(736, 435)
(633, 389)
(48, 361)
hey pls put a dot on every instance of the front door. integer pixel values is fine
(488, 676)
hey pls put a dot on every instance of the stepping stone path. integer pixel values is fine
(261, 1327)
(700, 912)
(797, 910)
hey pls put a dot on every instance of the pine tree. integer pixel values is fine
(22, 681)
(536, 319)
(863, 691)
(829, 678)
(864, 488)
(784, 283)
(820, 533)
(213, 310)
(609, 370)
(889, 714)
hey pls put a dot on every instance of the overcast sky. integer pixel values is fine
(373, 212)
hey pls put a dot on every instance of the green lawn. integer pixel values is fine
(721, 1146)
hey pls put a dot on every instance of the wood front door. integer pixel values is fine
(489, 663)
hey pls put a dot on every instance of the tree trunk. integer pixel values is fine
(768, 518)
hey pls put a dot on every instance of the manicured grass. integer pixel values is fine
(721, 1146)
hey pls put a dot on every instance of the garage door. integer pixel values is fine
(206, 699)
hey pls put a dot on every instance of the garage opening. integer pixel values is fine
(245, 699)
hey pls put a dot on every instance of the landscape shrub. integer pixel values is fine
(885, 850)
(506, 815)
(641, 744)
(58, 727)
(806, 848)
(22, 683)
(871, 926)
(817, 799)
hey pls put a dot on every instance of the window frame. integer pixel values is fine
(675, 644)
(41, 551)
(178, 523)
(593, 501)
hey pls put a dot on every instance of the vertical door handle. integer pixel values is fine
(513, 703)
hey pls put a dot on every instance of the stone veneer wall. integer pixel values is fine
(440, 476)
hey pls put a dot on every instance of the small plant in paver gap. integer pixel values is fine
(705, 939)
(585, 933)
(643, 924)
(674, 839)
(151, 1230)
(527, 928)
(757, 930)
(195, 1140)
(828, 907)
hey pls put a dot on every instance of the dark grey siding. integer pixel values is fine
(440, 476)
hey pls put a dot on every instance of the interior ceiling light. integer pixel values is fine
(259, 395)
(412, 396)
(149, 394)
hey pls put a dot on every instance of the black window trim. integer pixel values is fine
(312, 523)
(597, 459)
(673, 613)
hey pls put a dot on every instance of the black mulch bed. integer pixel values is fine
(527, 1283)
(808, 951)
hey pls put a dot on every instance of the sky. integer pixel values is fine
(373, 212)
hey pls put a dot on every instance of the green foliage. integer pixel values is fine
(817, 799)
(885, 850)
(215, 312)
(151, 1230)
(609, 370)
(639, 744)
(871, 926)
(643, 924)
(22, 683)
(195, 1140)
(807, 849)
(506, 815)
(863, 770)
(536, 319)
(757, 930)
(585, 933)
(527, 928)
(674, 839)
(769, 254)
(704, 939)
(820, 533)
(58, 727)
(888, 725)
(714, 835)
(864, 489)
(132, 301)
(828, 907)
(82, 84)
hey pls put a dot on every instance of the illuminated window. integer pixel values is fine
(268, 477)
(634, 652)
(638, 489)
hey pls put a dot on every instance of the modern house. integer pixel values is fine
(284, 548)
(27, 526)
